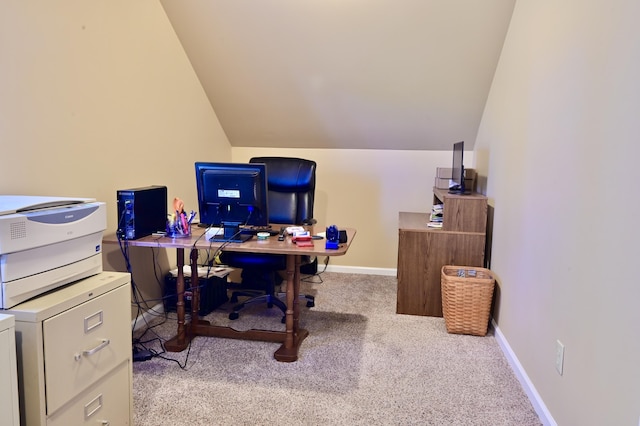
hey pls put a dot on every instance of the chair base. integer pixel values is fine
(269, 299)
(311, 300)
(269, 280)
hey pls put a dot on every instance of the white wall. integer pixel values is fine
(558, 144)
(97, 96)
(366, 189)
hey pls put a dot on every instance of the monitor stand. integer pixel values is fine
(232, 234)
(458, 190)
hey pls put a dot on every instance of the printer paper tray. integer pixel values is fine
(29, 273)
(16, 292)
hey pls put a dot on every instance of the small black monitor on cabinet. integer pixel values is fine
(457, 170)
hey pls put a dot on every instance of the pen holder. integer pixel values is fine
(177, 229)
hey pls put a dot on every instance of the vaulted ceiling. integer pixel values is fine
(352, 74)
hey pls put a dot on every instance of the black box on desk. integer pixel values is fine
(141, 211)
(213, 292)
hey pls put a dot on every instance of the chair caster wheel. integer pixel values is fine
(310, 304)
(234, 316)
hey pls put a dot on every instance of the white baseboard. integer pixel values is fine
(360, 270)
(521, 374)
(142, 319)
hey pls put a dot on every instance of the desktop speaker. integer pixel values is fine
(141, 211)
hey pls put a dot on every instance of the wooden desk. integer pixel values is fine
(291, 338)
(423, 251)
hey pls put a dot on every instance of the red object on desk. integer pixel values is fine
(302, 240)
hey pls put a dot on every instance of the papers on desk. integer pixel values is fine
(220, 271)
(296, 230)
(212, 232)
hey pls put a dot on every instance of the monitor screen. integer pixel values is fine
(231, 195)
(457, 174)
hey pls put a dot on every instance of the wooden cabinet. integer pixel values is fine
(75, 355)
(9, 414)
(423, 251)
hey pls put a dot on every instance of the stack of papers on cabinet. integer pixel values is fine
(435, 219)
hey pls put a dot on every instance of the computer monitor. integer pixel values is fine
(457, 174)
(232, 195)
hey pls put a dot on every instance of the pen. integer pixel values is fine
(183, 217)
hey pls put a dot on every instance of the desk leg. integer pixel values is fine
(195, 295)
(181, 340)
(296, 297)
(186, 332)
(294, 336)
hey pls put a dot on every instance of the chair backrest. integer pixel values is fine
(291, 185)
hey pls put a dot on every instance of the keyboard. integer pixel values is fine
(248, 230)
(253, 230)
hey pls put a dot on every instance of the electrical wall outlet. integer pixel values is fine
(559, 356)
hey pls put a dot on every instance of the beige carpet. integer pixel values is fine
(362, 364)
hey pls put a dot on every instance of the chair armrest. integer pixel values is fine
(309, 221)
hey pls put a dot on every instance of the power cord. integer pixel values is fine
(139, 347)
(312, 278)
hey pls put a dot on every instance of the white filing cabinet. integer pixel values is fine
(75, 355)
(9, 414)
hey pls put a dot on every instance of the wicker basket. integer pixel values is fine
(467, 293)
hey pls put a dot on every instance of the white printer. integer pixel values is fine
(47, 242)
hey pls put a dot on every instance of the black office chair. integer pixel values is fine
(291, 184)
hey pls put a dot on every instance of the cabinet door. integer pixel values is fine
(105, 403)
(8, 379)
(85, 342)
(421, 256)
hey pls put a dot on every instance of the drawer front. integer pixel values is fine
(8, 379)
(105, 403)
(85, 342)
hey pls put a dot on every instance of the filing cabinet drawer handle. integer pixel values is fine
(93, 406)
(102, 345)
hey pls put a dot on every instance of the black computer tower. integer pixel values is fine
(141, 211)
(213, 293)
